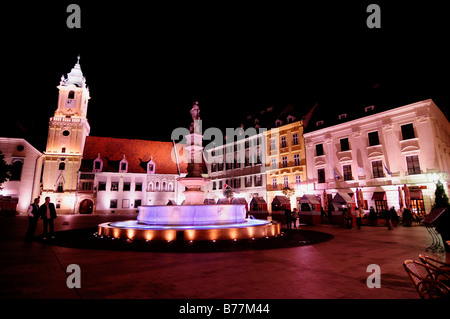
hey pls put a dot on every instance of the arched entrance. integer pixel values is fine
(86, 206)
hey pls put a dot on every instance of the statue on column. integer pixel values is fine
(195, 113)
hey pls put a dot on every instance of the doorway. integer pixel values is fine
(86, 206)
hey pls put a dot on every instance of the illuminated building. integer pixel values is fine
(379, 150)
(67, 132)
(18, 192)
(238, 164)
(119, 175)
(85, 174)
(285, 163)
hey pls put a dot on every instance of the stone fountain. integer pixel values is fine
(192, 220)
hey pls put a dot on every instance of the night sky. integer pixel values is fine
(146, 64)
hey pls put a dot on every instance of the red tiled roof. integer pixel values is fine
(137, 153)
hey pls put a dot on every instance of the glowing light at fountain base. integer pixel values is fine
(248, 229)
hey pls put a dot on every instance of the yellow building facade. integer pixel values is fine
(285, 164)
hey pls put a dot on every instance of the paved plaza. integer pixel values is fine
(333, 269)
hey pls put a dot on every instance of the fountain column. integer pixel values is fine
(194, 180)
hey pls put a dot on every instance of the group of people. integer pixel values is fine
(47, 212)
(291, 218)
(389, 215)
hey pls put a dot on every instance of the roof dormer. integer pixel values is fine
(123, 165)
(291, 118)
(98, 164)
(151, 166)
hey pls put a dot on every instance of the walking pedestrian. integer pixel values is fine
(48, 214)
(33, 217)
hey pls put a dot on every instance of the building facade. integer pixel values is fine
(240, 165)
(18, 192)
(67, 133)
(119, 175)
(380, 153)
(285, 163)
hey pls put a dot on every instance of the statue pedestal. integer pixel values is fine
(193, 194)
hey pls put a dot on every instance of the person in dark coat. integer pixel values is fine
(346, 215)
(288, 215)
(372, 217)
(388, 218)
(48, 213)
(407, 217)
(442, 224)
(33, 217)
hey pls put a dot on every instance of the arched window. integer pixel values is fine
(170, 187)
(16, 171)
(150, 187)
(71, 95)
(157, 187)
(60, 188)
(62, 166)
(164, 186)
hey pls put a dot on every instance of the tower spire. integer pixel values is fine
(75, 76)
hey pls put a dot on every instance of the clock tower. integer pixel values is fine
(67, 133)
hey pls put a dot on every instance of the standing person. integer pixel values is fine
(359, 214)
(347, 218)
(48, 213)
(388, 217)
(372, 217)
(33, 217)
(294, 217)
(288, 215)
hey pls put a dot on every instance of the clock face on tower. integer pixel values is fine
(70, 106)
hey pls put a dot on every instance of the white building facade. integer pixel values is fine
(24, 184)
(379, 154)
(119, 175)
(240, 165)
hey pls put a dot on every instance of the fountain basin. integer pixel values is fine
(248, 229)
(191, 215)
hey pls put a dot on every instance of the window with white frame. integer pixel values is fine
(284, 161)
(274, 163)
(347, 172)
(298, 180)
(283, 141)
(285, 181)
(274, 183)
(412, 163)
(377, 169)
(296, 159)
(295, 139)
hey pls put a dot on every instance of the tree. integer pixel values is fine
(228, 193)
(440, 197)
(5, 169)
(287, 191)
